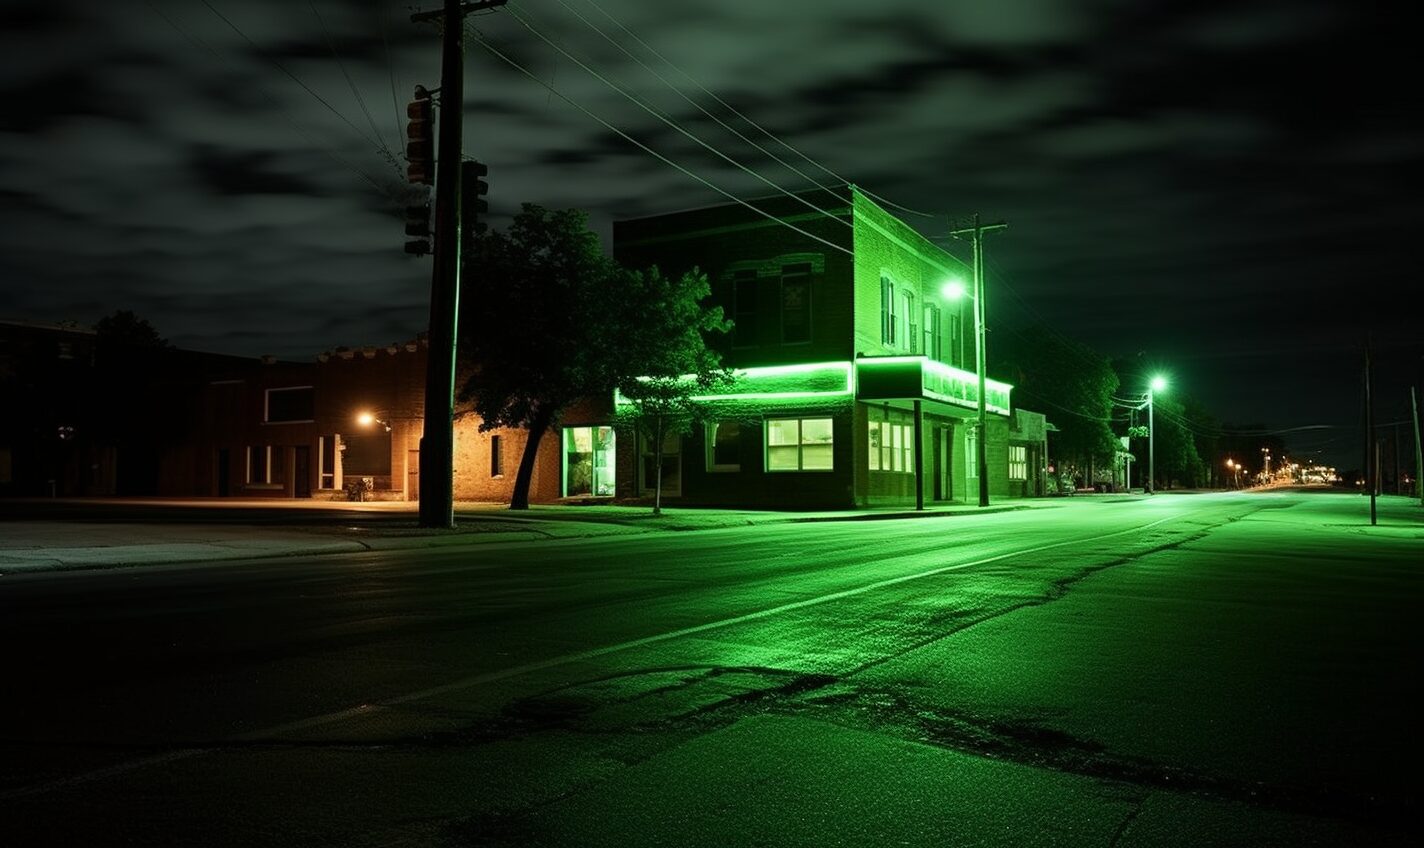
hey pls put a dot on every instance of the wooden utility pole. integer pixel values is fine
(1418, 457)
(1371, 450)
(976, 234)
(437, 441)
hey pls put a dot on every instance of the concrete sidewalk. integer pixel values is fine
(202, 534)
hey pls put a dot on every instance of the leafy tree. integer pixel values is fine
(548, 319)
(1069, 382)
(672, 363)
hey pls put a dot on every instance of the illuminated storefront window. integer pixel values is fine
(589, 461)
(799, 444)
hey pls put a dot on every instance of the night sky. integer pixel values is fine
(1222, 190)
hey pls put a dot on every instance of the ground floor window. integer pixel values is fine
(892, 447)
(672, 464)
(1018, 462)
(264, 464)
(799, 444)
(496, 456)
(326, 452)
(589, 461)
(724, 446)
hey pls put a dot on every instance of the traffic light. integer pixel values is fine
(473, 188)
(417, 224)
(420, 138)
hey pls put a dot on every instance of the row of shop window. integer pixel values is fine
(792, 444)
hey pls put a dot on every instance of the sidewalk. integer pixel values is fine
(180, 531)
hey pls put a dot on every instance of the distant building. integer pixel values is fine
(348, 423)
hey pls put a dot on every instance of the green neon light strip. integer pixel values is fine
(838, 376)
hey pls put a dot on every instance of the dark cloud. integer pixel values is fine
(1220, 185)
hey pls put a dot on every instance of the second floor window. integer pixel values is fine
(931, 330)
(744, 309)
(796, 304)
(887, 312)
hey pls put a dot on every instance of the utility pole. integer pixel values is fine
(1370, 448)
(437, 441)
(1418, 457)
(976, 234)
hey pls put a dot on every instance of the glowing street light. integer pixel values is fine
(366, 419)
(954, 289)
(1156, 384)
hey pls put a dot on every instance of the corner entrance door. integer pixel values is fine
(412, 475)
(301, 472)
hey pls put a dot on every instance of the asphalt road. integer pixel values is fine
(1233, 669)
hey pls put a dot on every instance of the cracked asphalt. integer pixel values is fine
(1212, 669)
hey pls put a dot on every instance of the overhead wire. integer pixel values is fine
(724, 104)
(379, 146)
(198, 42)
(382, 10)
(484, 42)
(360, 100)
(669, 120)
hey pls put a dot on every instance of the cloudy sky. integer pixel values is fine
(1223, 190)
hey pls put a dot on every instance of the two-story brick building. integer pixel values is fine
(282, 429)
(854, 369)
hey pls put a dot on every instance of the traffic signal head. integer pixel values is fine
(417, 220)
(420, 138)
(473, 187)
(417, 223)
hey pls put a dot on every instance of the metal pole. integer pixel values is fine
(1151, 447)
(1418, 457)
(1371, 451)
(983, 447)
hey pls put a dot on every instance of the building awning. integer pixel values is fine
(919, 377)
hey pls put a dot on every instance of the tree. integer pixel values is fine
(668, 361)
(123, 328)
(547, 319)
(1068, 381)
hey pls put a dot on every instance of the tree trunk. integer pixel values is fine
(658, 464)
(520, 497)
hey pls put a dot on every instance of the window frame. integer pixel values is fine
(267, 405)
(710, 438)
(803, 278)
(801, 445)
(1018, 462)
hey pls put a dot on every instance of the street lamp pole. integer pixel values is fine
(1153, 385)
(976, 234)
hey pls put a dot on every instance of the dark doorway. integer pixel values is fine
(412, 475)
(301, 472)
(224, 474)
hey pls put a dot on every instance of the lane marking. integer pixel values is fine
(564, 659)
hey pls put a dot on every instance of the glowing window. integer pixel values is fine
(799, 444)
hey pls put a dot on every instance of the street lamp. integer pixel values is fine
(953, 290)
(366, 419)
(1235, 470)
(1157, 384)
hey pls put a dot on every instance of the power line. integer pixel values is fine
(280, 109)
(479, 37)
(381, 15)
(360, 101)
(724, 104)
(283, 68)
(664, 80)
(670, 122)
